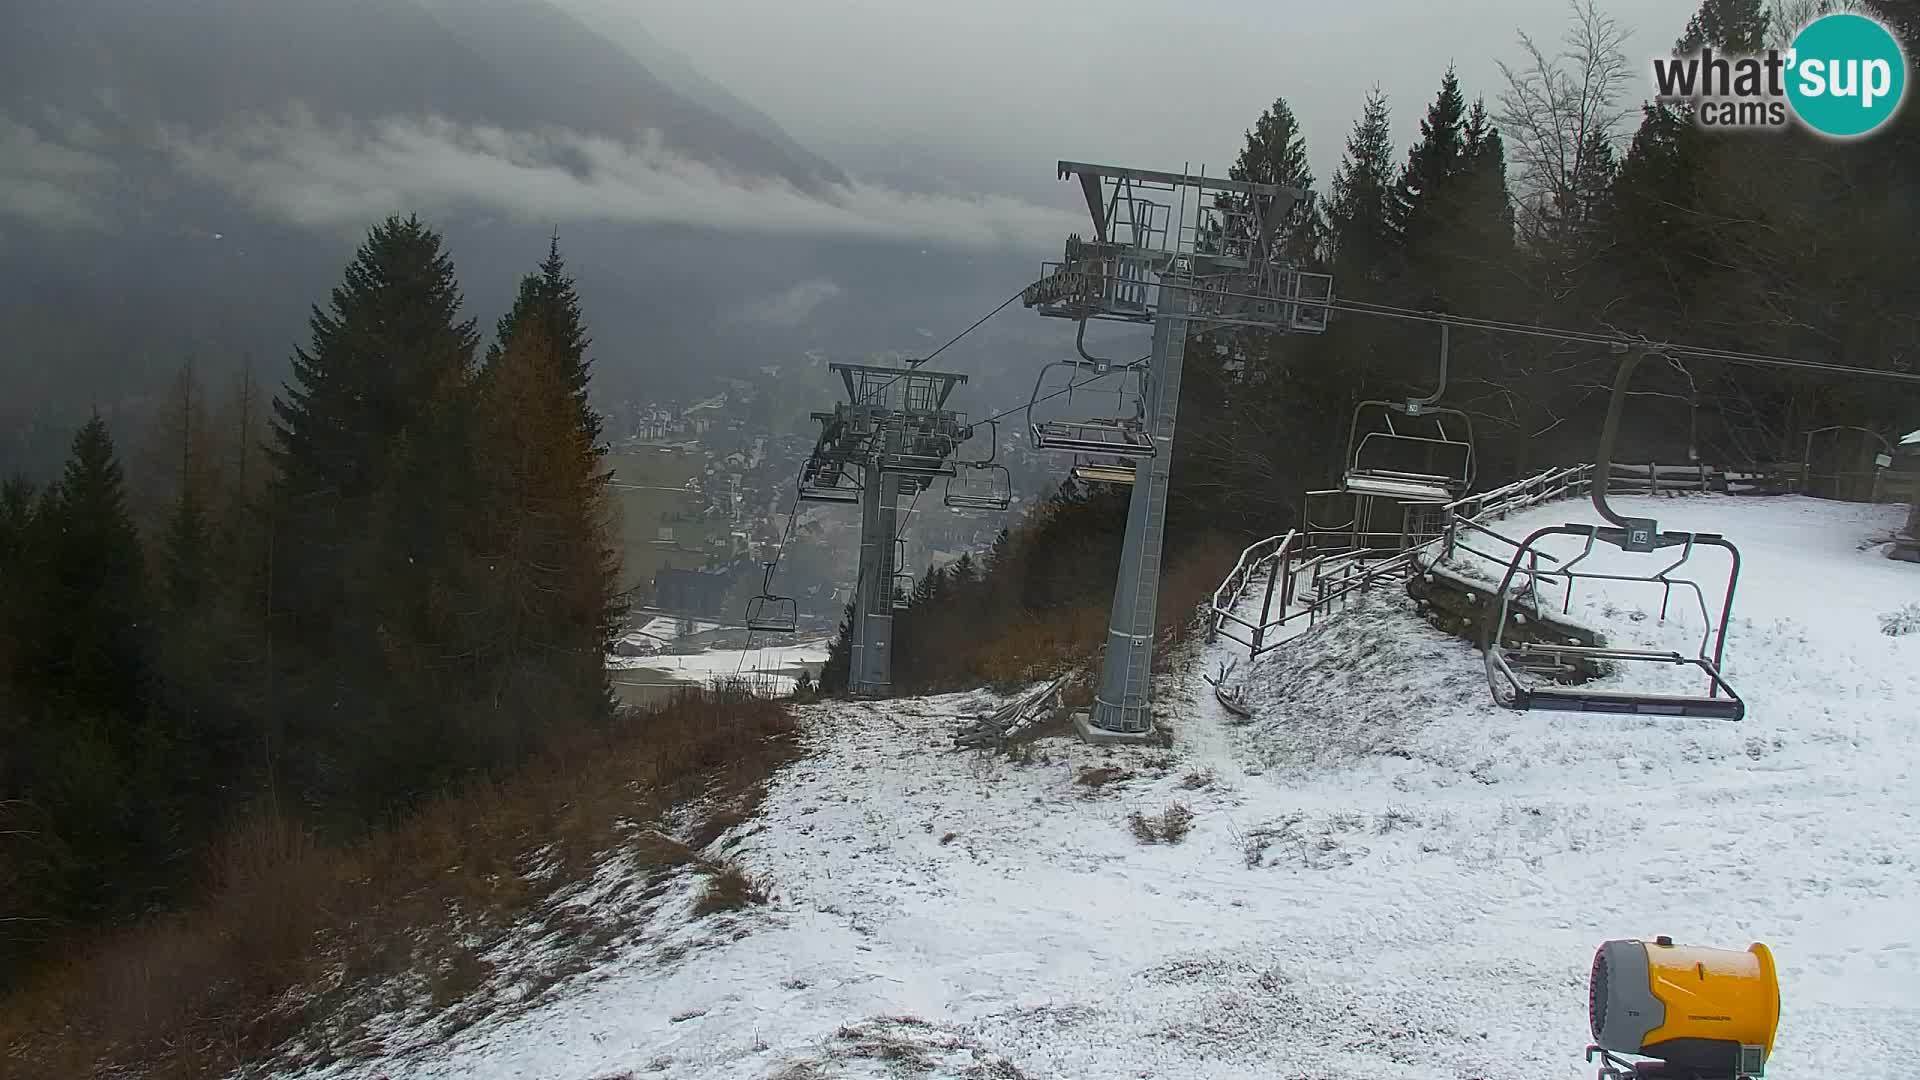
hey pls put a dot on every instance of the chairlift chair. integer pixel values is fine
(981, 485)
(1089, 470)
(769, 612)
(822, 480)
(1380, 454)
(1634, 535)
(1122, 434)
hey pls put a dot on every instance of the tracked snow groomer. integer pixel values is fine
(1697, 1013)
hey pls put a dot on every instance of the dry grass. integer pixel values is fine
(1039, 646)
(1100, 776)
(292, 931)
(1168, 827)
(729, 888)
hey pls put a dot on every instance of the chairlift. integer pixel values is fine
(1411, 450)
(770, 612)
(1089, 470)
(981, 485)
(1633, 535)
(1122, 433)
(822, 480)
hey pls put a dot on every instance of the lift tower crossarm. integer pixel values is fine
(1274, 200)
(1172, 179)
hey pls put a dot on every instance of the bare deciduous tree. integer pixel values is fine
(1560, 116)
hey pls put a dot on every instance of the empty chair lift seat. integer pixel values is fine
(1404, 486)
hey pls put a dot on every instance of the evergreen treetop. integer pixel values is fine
(1360, 206)
(390, 346)
(551, 294)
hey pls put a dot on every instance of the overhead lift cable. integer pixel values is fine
(1581, 337)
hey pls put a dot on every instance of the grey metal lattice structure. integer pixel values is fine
(1173, 250)
(893, 436)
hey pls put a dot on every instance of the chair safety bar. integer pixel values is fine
(992, 490)
(1719, 703)
(1093, 437)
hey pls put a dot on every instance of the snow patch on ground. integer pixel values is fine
(774, 667)
(1387, 877)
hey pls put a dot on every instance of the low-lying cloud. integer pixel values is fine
(791, 307)
(46, 182)
(327, 175)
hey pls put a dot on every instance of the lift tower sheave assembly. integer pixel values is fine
(1182, 252)
(893, 436)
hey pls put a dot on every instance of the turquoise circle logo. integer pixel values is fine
(1849, 75)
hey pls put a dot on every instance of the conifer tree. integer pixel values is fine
(550, 295)
(94, 568)
(1483, 234)
(386, 359)
(1360, 210)
(185, 545)
(1727, 26)
(1432, 164)
(1276, 153)
(542, 575)
(836, 673)
(369, 450)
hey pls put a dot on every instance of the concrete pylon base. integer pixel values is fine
(1083, 725)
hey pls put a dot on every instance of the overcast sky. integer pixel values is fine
(1022, 83)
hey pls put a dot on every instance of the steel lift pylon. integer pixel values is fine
(1180, 252)
(893, 436)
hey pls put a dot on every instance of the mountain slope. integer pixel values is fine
(129, 69)
(1386, 878)
(671, 67)
(191, 174)
(574, 77)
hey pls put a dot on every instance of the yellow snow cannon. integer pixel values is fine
(1701, 1013)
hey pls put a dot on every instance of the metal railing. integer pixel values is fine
(1306, 572)
(1309, 572)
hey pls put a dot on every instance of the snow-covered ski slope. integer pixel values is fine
(1386, 877)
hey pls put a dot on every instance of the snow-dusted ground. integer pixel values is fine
(664, 627)
(1387, 877)
(774, 667)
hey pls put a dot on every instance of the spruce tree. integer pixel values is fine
(186, 540)
(1360, 210)
(79, 674)
(385, 360)
(95, 571)
(20, 580)
(1485, 230)
(1433, 163)
(836, 673)
(369, 449)
(1726, 26)
(541, 573)
(550, 295)
(1276, 153)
